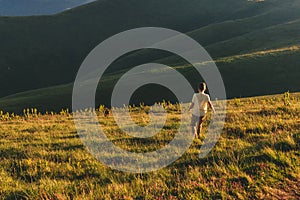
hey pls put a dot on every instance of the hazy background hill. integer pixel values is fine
(45, 51)
(36, 7)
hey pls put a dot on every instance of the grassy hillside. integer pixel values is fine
(257, 157)
(256, 73)
(55, 46)
(36, 7)
(43, 51)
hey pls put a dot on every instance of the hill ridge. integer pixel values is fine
(41, 52)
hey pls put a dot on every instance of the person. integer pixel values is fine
(199, 104)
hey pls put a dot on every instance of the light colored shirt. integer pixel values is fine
(200, 101)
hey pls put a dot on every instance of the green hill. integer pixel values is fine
(244, 75)
(36, 7)
(45, 51)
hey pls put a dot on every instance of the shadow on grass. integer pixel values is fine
(73, 135)
(243, 156)
(284, 146)
(141, 144)
(61, 146)
(56, 146)
(13, 153)
(264, 158)
(270, 112)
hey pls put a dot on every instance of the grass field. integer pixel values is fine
(257, 156)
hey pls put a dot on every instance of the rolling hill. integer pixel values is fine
(40, 52)
(281, 76)
(36, 7)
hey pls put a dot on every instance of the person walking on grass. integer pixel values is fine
(199, 104)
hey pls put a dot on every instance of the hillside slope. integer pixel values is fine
(249, 79)
(45, 51)
(33, 48)
(36, 7)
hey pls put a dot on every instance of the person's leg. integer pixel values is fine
(193, 125)
(199, 125)
(193, 131)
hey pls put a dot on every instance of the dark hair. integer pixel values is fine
(202, 86)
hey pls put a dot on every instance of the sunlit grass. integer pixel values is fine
(257, 156)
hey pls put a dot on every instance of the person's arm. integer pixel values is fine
(191, 106)
(212, 107)
(193, 103)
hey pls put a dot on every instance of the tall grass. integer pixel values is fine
(257, 156)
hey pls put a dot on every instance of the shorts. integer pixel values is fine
(195, 119)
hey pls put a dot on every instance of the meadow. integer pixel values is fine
(257, 156)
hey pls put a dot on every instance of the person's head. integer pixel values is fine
(202, 87)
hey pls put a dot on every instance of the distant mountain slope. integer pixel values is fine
(36, 7)
(258, 73)
(43, 51)
(55, 46)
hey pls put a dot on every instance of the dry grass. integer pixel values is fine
(257, 156)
